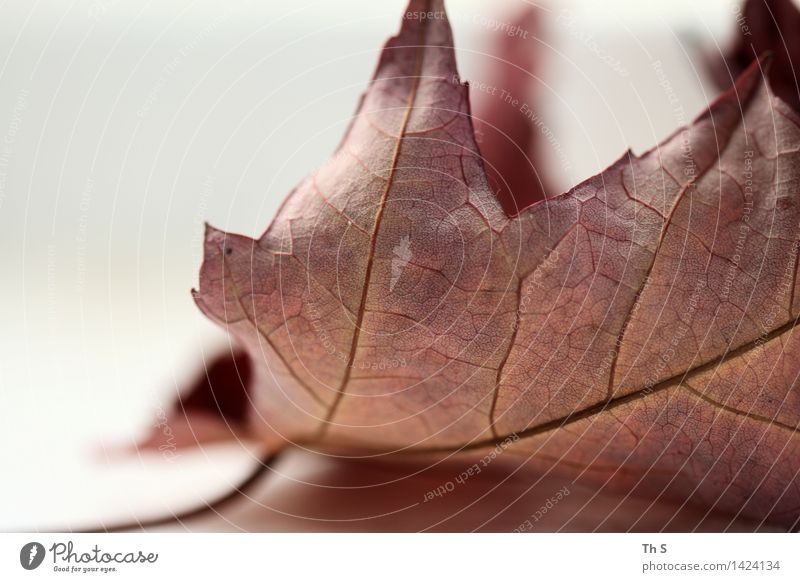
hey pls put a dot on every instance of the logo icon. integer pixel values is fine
(31, 555)
(402, 256)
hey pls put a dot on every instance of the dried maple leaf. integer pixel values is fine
(638, 330)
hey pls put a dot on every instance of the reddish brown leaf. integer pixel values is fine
(637, 331)
(214, 406)
(222, 389)
(766, 25)
(504, 116)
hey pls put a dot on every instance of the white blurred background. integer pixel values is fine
(125, 125)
